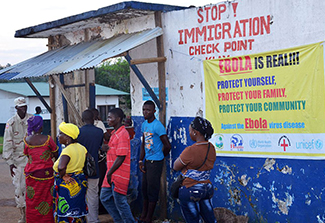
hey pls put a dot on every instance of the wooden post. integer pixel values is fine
(148, 60)
(40, 97)
(91, 80)
(52, 104)
(86, 73)
(162, 113)
(161, 72)
(66, 96)
(50, 41)
(87, 88)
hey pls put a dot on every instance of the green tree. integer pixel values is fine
(2, 67)
(115, 74)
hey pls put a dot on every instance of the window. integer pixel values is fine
(103, 112)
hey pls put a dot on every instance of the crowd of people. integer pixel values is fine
(51, 185)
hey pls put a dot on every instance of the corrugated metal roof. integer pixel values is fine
(102, 90)
(43, 88)
(77, 57)
(109, 14)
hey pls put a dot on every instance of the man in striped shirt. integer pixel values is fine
(115, 184)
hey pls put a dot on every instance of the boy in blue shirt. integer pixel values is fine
(155, 146)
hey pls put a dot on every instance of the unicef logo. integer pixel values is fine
(319, 144)
(253, 143)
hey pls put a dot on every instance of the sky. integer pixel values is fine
(19, 14)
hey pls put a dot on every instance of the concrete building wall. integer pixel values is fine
(107, 100)
(34, 101)
(148, 70)
(108, 30)
(7, 101)
(8, 105)
(290, 25)
(265, 189)
(260, 188)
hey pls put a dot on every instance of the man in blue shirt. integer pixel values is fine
(155, 146)
(91, 137)
(38, 111)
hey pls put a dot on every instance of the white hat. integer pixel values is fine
(20, 101)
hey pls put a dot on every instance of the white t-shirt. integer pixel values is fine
(100, 124)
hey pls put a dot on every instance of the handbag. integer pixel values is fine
(90, 166)
(174, 188)
(101, 156)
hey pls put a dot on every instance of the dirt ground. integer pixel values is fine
(8, 211)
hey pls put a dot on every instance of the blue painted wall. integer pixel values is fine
(134, 191)
(264, 189)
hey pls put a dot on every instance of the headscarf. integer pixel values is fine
(69, 129)
(35, 123)
(203, 126)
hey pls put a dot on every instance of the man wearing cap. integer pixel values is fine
(13, 147)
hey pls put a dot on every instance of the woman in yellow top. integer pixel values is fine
(70, 184)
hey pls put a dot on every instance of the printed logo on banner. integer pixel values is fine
(243, 96)
(310, 145)
(253, 143)
(319, 144)
(237, 142)
(260, 143)
(284, 142)
(219, 141)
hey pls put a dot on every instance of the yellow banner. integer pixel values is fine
(273, 92)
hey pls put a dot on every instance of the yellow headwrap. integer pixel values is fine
(69, 129)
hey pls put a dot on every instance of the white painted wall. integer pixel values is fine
(149, 71)
(107, 100)
(34, 101)
(113, 29)
(293, 23)
(8, 105)
(7, 102)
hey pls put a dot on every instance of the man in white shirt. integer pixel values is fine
(13, 151)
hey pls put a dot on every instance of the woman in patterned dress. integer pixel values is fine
(70, 184)
(40, 149)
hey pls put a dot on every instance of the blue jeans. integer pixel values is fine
(196, 201)
(116, 205)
